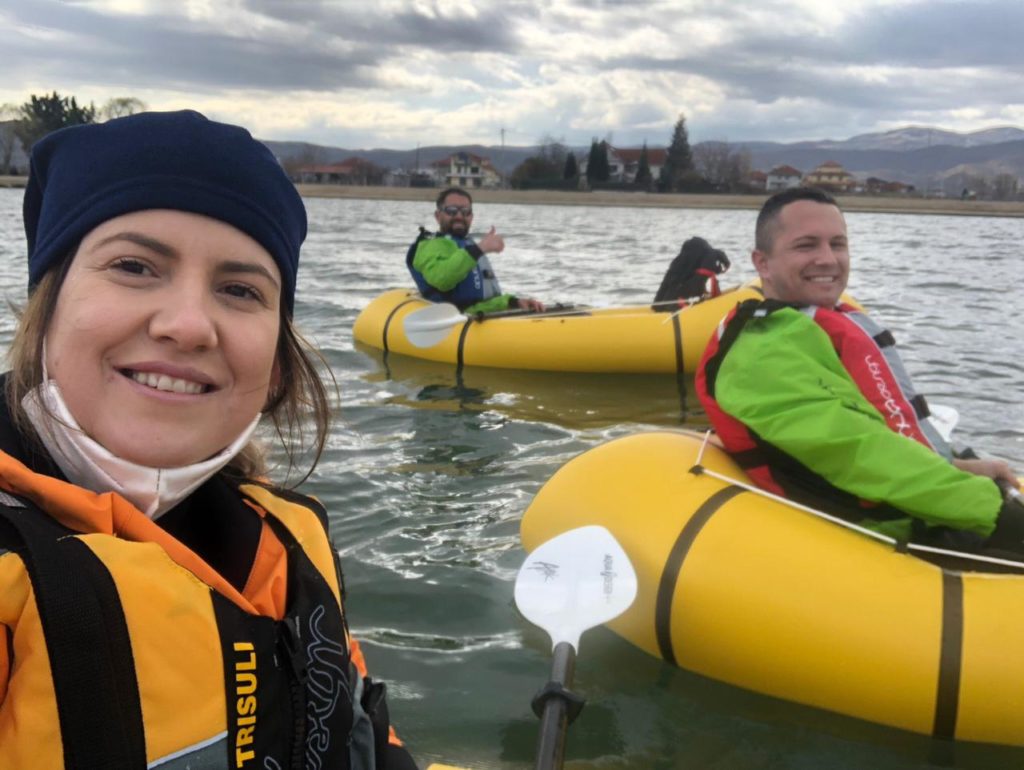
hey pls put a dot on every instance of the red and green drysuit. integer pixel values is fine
(817, 406)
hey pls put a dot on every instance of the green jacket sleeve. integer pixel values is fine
(442, 263)
(783, 380)
(491, 305)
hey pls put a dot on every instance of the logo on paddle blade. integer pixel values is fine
(545, 568)
(609, 576)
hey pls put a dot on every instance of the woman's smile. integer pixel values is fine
(164, 379)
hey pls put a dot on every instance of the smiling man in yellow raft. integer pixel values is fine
(812, 399)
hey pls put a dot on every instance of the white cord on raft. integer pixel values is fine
(842, 522)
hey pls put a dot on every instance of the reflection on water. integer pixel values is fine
(568, 399)
(428, 472)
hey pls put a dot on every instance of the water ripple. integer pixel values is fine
(444, 645)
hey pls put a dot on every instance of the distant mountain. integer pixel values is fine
(917, 138)
(927, 168)
(928, 158)
(504, 159)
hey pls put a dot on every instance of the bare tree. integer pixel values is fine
(121, 106)
(724, 169)
(1005, 187)
(309, 155)
(553, 152)
(711, 159)
(978, 185)
(546, 169)
(740, 170)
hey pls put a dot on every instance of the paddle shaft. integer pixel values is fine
(554, 720)
(430, 325)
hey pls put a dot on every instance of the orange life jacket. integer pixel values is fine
(123, 648)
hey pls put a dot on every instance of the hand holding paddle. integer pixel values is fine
(571, 583)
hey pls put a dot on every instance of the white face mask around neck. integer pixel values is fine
(88, 464)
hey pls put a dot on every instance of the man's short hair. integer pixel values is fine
(453, 191)
(764, 232)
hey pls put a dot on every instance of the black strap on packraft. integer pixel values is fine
(87, 641)
(687, 276)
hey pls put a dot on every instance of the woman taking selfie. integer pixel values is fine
(161, 603)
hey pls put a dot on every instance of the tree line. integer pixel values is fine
(709, 167)
(27, 123)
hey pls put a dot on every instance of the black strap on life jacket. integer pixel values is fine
(744, 312)
(424, 235)
(87, 641)
(434, 294)
(762, 453)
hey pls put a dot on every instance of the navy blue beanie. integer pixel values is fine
(84, 175)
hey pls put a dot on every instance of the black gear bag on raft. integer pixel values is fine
(696, 265)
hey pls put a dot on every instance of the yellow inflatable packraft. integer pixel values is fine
(754, 592)
(619, 339)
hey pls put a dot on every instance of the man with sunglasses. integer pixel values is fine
(449, 266)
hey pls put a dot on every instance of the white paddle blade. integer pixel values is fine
(944, 419)
(430, 325)
(575, 581)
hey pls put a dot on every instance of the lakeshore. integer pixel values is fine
(900, 204)
(862, 203)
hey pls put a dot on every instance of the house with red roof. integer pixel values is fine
(782, 178)
(757, 180)
(624, 162)
(354, 171)
(875, 186)
(465, 169)
(833, 177)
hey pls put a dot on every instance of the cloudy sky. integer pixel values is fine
(402, 73)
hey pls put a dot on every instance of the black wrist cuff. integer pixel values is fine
(1009, 531)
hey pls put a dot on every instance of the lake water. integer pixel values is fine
(426, 476)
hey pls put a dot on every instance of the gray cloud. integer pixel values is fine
(773, 69)
(165, 51)
(925, 43)
(491, 29)
(937, 35)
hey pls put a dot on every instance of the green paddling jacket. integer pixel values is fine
(783, 379)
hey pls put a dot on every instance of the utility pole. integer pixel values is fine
(501, 160)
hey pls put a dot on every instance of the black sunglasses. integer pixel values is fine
(451, 211)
